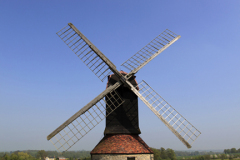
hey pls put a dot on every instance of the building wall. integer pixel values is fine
(122, 156)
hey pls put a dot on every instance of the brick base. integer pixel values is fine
(121, 144)
(122, 156)
(122, 147)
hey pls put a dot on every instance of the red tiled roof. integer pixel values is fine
(121, 144)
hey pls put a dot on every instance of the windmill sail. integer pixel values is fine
(77, 126)
(97, 62)
(182, 128)
(70, 132)
(150, 51)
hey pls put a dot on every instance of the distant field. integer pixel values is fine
(193, 157)
(228, 159)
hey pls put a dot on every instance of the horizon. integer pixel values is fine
(43, 83)
(90, 150)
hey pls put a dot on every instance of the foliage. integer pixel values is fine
(89, 158)
(14, 157)
(18, 156)
(23, 156)
(161, 153)
(76, 154)
(223, 156)
(194, 153)
(42, 154)
(6, 157)
(170, 154)
(36, 154)
(202, 157)
(156, 153)
(232, 150)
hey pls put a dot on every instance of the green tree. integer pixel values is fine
(207, 157)
(201, 158)
(156, 153)
(195, 153)
(41, 154)
(163, 154)
(227, 151)
(14, 157)
(171, 154)
(23, 156)
(6, 157)
(238, 151)
(223, 156)
(233, 150)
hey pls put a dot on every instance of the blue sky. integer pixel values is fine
(43, 83)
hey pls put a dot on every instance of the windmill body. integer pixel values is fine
(118, 104)
(121, 136)
(123, 120)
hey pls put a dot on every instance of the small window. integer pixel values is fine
(130, 158)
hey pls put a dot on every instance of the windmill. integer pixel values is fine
(111, 101)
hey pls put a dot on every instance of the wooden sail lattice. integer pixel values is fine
(80, 45)
(79, 127)
(150, 51)
(181, 127)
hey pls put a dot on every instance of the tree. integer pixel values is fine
(171, 154)
(238, 151)
(41, 154)
(6, 157)
(195, 153)
(233, 150)
(227, 151)
(156, 153)
(163, 154)
(14, 156)
(23, 156)
(223, 156)
(207, 157)
(201, 158)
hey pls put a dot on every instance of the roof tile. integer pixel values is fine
(121, 144)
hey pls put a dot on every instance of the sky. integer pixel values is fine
(43, 83)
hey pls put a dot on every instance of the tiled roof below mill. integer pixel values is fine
(122, 144)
